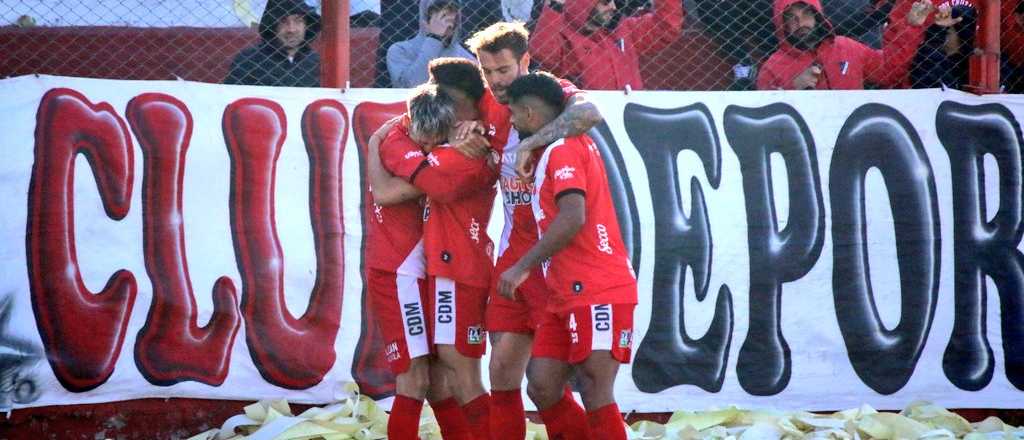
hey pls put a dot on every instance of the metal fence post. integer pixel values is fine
(335, 66)
(984, 67)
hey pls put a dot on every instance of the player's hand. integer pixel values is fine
(441, 24)
(463, 129)
(808, 79)
(386, 127)
(525, 165)
(919, 12)
(944, 16)
(474, 146)
(510, 281)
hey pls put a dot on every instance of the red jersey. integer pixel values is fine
(394, 233)
(460, 194)
(520, 231)
(594, 268)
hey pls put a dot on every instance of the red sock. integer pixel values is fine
(404, 422)
(478, 413)
(606, 423)
(566, 419)
(508, 419)
(451, 419)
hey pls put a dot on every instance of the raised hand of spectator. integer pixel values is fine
(944, 16)
(919, 12)
(441, 24)
(808, 79)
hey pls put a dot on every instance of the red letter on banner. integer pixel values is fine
(171, 347)
(289, 352)
(82, 332)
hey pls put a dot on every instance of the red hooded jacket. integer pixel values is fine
(606, 59)
(846, 63)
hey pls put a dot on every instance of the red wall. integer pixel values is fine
(195, 54)
(205, 54)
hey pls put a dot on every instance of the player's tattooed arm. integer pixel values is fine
(386, 188)
(572, 214)
(579, 116)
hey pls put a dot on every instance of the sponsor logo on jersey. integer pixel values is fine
(565, 173)
(433, 160)
(625, 338)
(516, 191)
(413, 154)
(474, 230)
(413, 318)
(602, 317)
(603, 244)
(475, 335)
(391, 352)
(445, 306)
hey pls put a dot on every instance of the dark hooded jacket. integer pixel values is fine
(933, 67)
(267, 63)
(846, 64)
(607, 59)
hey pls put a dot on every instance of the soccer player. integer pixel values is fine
(502, 51)
(460, 194)
(397, 294)
(586, 267)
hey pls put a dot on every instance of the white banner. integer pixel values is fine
(847, 247)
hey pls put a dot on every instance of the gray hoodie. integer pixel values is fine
(407, 60)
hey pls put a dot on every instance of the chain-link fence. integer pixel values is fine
(599, 44)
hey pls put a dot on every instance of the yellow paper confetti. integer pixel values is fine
(358, 417)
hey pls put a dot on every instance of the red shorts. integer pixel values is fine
(525, 313)
(572, 335)
(398, 304)
(458, 316)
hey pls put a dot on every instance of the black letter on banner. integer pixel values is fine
(621, 190)
(763, 364)
(878, 136)
(984, 248)
(668, 356)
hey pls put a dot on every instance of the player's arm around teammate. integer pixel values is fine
(396, 287)
(591, 283)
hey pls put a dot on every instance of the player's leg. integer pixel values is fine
(548, 376)
(605, 340)
(410, 390)
(460, 340)
(397, 303)
(447, 410)
(510, 353)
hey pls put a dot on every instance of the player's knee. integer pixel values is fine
(504, 365)
(543, 390)
(414, 382)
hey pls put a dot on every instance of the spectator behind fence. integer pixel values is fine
(283, 56)
(581, 40)
(942, 60)
(1012, 41)
(440, 35)
(812, 56)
